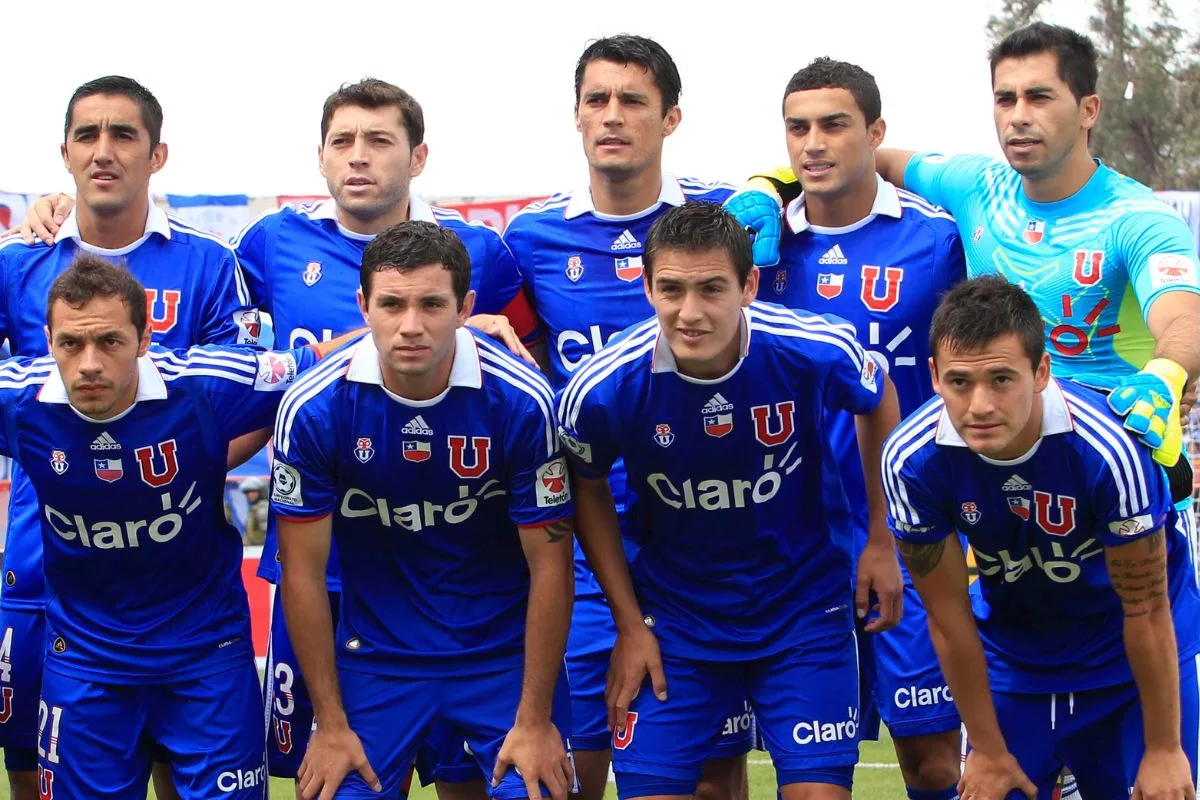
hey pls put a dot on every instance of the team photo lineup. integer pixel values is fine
(872, 443)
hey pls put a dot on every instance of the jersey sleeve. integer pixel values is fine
(914, 512)
(501, 289)
(586, 427)
(514, 241)
(1159, 252)
(946, 181)
(539, 491)
(5, 266)
(228, 316)
(952, 260)
(246, 385)
(251, 248)
(1131, 496)
(303, 474)
(854, 380)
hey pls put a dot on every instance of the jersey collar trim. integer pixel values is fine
(156, 222)
(581, 201)
(1056, 419)
(887, 203)
(465, 372)
(418, 210)
(150, 387)
(664, 359)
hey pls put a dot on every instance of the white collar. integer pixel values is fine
(1056, 419)
(156, 222)
(664, 359)
(418, 210)
(581, 200)
(465, 371)
(887, 202)
(150, 387)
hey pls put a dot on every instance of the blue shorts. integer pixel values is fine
(806, 706)
(98, 740)
(394, 718)
(22, 656)
(901, 680)
(587, 674)
(445, 756)
(1097, 734)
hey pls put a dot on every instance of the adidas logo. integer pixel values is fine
(1016, 484)
(717, 404)
(626, 241)
(833, 255)
(105, 442)
(417, 426)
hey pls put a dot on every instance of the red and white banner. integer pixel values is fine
(495, 213)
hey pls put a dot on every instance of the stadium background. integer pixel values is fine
(877, 776)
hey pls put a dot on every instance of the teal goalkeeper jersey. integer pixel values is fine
(1093, 263)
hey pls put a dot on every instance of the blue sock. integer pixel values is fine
(950, 793)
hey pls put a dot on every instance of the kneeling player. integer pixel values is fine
(745, 571)
(454, 537)
(1081, 567)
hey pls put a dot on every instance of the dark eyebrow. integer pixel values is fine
(84, 129)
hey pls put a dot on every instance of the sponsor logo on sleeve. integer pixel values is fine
(275, 371)
(1172, 269)
(285, 485)
(552, 488)
(580, 449)
(1133, 526)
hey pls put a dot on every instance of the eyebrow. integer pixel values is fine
(1030, 90)
(116, 127)
(827, 118)
(991, 372)
(596, 94)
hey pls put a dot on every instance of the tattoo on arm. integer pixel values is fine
(557, 531)
(922, 558)
(1141, 583)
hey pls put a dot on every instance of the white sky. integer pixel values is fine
(241, 83)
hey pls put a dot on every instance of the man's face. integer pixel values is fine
(619, 112)
(698, 302)
(989, 395)
(367, 161)
(1038, 121)
(96, 348)
(108, 152)
(829, 142)
(413, 317)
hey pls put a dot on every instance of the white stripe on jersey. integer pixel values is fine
(696, 186)
(809, 319)
(931, 212)
(909, 438)
(817, 329)
(1109, 440)
(11, 240)
(641, 340)
(236, 242)
(500, 363)
(552, 203)
(231, 367)
(243, 292)
(307, 386)
(15, 375)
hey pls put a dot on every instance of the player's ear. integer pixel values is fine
(362, 304)
(62, 148)
(158, 157)
(468, 306)
(933, 376)
(1041, 375)
(321, 160)
(144, 342)
(1089, 111)
(750, 290)
(875, 132)
(416, 163)
(49, 340)
(671, 121)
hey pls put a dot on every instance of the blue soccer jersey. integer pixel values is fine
(583, 270)
(427, 498)
(1093, 263)
(1038, 525)
(195, 294)
(303, 269)
(143, 572)
(745, 528)
(884, 275)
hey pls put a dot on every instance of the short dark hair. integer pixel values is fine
(90, 277)
(152, 115)
(825, 73)
(628, 49)
(372, 93)
(981, 310)
(695, 227)
(415, 243)
(1075, 53)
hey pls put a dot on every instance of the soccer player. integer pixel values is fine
(745, 575)
(580, 254)
(878, 257)
(302, 267)
(1082, 648)
(147, 624)
(430, 453)
(195, 294)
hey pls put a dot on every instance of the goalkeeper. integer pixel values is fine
(1112, 269)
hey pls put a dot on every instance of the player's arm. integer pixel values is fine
(891, 164)
(878, 569)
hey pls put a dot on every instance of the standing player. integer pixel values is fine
(879, 257)
(195, 295)
(580, 254)
(1081, 568)
(747, 588)
(147, 624)
(454, 534)
(303, 269)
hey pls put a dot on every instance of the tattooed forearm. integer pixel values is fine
(1140, 581)
(921, 559)
(557, 531)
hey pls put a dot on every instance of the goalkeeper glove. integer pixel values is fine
(1149, 402)
(759, 207)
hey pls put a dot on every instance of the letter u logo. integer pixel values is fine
(891, 290)
(481, 445)
(170, 309)
(1088, 264)
(623, 740)
(283, 736)
(774, 424)
(1065, 511)
(148, 463)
